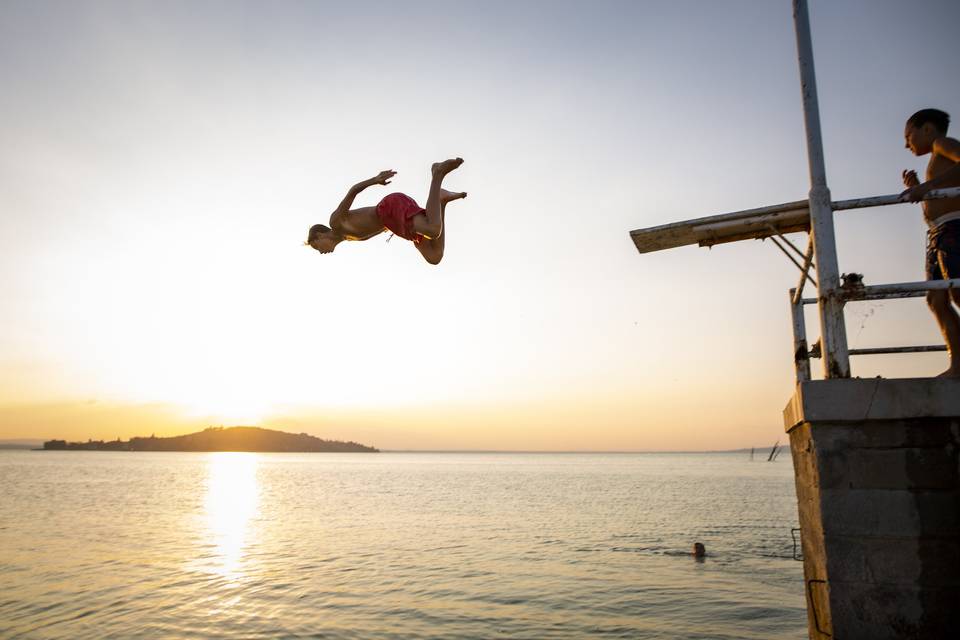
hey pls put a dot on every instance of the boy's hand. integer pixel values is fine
(915, 194)
(915, 190)
(383, 177)
(910, 178)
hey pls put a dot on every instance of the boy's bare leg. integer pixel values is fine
(432, 227)
(432, 249)
(949, 321)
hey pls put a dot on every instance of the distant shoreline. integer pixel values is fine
(219, 439)
(758, 454)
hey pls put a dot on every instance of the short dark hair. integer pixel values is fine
(939, 119)
(315, 231)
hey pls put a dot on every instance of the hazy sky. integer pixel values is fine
(160, 163)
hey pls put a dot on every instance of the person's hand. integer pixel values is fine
(910, 178)
(915, 193)
(383, 177)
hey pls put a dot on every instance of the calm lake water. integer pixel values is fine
(396, 545)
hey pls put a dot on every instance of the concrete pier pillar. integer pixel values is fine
(877, 466)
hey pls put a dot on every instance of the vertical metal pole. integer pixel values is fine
(801, 358)
(836, 359)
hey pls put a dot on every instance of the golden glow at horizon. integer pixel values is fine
(232, 503)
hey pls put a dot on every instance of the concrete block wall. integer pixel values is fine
(879, 504)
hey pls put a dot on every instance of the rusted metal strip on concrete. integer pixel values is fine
(813, 605)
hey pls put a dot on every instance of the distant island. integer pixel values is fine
(218, 439)
(20, 443)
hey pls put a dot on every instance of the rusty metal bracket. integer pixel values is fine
(803, 270)
(813, 606)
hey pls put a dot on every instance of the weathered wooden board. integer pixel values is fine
(761, 222)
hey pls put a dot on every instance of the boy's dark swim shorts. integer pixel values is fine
(943, 251)
(396, 212)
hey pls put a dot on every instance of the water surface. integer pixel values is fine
(396, 545)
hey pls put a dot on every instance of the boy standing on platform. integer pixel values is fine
(926, 132)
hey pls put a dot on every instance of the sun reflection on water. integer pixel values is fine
(233, 496)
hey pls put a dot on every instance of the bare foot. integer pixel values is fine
(449, 196)
(445, 167)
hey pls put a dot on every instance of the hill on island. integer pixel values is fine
(219, 439)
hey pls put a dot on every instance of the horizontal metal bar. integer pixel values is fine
(893, 198)
(898, 290)
(892, 291)
(878, 350)
(892, 295)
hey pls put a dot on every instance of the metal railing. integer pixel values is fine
(853, 290)
(802, 353)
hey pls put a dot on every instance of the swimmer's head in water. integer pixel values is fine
(699, 550)
(923, 128)
(322, 238)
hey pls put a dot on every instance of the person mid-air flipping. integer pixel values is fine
(397, 212)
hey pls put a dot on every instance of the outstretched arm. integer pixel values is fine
(948, 148)
(344, 207)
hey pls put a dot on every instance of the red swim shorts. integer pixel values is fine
(396, 213)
